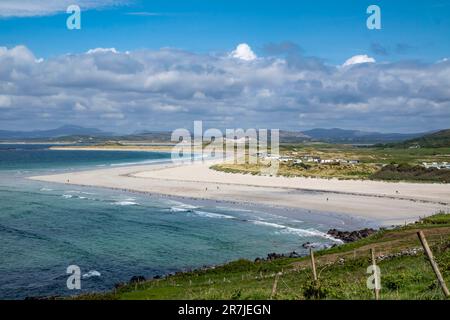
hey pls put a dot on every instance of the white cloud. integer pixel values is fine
(243, 52)
(29, 8)
(79, 107)
(166, 89)
(102, 50)
(168, 108)
(363, 58)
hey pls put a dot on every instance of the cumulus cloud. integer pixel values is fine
(29, 8)
(168, 88)
(363, 58)
(101, 50)
(243, 52)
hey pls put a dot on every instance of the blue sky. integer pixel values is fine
(142, 65)
(331, 30)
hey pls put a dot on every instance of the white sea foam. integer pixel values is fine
(183, 208)
(92, 273)
(212, 215)
(67, 196)
(125, 203)
(298, 231)
(78, 191)
(46, 189)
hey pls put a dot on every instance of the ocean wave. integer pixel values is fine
(125, 203)
(212, 215)
(183, 208)
(92, 273)
(80, 192)
(46, 189)
(297, 231)
(67, 196)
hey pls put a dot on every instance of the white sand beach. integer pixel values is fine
(384, 202)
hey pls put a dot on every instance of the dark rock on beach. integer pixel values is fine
(318, 246)
(351, 236)
(274, 256)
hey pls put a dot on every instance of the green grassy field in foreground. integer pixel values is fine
(405, 272)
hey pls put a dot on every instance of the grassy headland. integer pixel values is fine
(405, 272)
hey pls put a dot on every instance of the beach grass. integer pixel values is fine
(375, 163)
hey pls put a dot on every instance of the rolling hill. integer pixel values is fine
(438, 139)
(76, 134)
(67, 130)
(356, 136)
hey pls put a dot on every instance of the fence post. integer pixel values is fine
(375, 274)
(433, 263)
(313, 263)
(274, 288)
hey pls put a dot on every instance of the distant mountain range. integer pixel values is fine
(357, 136)
(67, 130)
(71, 133)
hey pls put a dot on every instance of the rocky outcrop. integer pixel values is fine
(318, 246)
(351, 236)
(274, 256)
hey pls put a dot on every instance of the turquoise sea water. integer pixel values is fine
(114, 235)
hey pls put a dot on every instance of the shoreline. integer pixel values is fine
(147, 148)
(387, 203)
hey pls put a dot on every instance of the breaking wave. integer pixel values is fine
(298, 231)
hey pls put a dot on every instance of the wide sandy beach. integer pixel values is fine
(383, 202)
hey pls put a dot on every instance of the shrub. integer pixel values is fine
(314, 290)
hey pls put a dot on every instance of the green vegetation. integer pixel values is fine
(405, 272)
(411, 173)
(376, 163)
(362, 171)
(438, 139)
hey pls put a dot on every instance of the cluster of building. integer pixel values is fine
(306, 159)
(436, 165)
